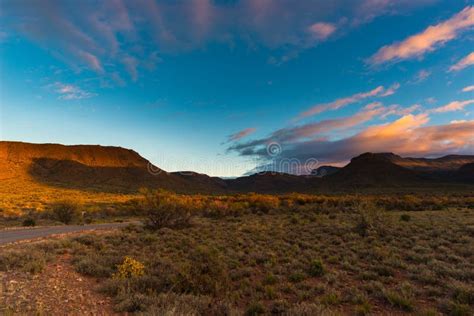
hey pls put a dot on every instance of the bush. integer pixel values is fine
(316, 268)
(255, 309)
(28, 260)
(129, 268)
(405, 218)
(370, 219)
(205, 274)
(65, 212)
(164, 209)
(29, 222)
(399, 300)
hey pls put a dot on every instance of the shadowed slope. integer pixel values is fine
(94, 167)
(373, 170)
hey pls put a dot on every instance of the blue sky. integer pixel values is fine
(208, 85)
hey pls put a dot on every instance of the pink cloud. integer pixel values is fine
(241, 134)
(91, 60)
(463, 63)
(468, 88)
(453, 106)
(322, 31)
(70, 92)
(378, 91)
(426, 41)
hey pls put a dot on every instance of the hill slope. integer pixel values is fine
(372, 170)
(116, 169)
(90, 167)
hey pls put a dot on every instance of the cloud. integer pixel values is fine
(318, 130)
(91, 60)
(322, 31)
(463, 63)
(241, 134)
(458, 121)
(408, 135)
(428, 40)
(70, 92)
(339, 103)
(367, 10)
(468, 89)
(421, 76)
(98, 36)
(131, 64)
(391, 90)
(396, 109)
(453, 106)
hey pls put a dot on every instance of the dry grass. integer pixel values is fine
(293, 255)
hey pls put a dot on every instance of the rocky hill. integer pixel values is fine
(116, 169)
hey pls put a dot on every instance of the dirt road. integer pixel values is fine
(14, 235)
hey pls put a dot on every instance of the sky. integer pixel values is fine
(230, 87)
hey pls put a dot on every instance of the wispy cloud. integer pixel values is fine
(131, 65)
(322, 31)
(426, 41)
(379, 91)
(105, 36)
(453, 106)
(70, 92)
(241, 134)
(321, 129)
(468, 88)
(463, 63)
(421, 76)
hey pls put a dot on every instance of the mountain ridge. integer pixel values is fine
(118, 168)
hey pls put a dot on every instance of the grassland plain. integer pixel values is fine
(289, 255)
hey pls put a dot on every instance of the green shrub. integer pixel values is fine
(369, 219)
(29, 222)
(405, 218)
(28, 260)
(316, 268)
(363, 309)
(296, 277)
(270, 279)
(330, 299)
(255, 309)
(65, 212)
(399, 300)
(164, 209)
(204, 274)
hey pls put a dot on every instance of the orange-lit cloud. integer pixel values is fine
(409, 135)
(453, 106)
(463, 63)
(428, 40)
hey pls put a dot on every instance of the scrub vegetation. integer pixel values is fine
(286, 255)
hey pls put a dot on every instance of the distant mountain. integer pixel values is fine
(442, 164)
(116, 169)
(272, 182)
(390, 170)
(465, 173)
(372, 170)
(324, 171)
